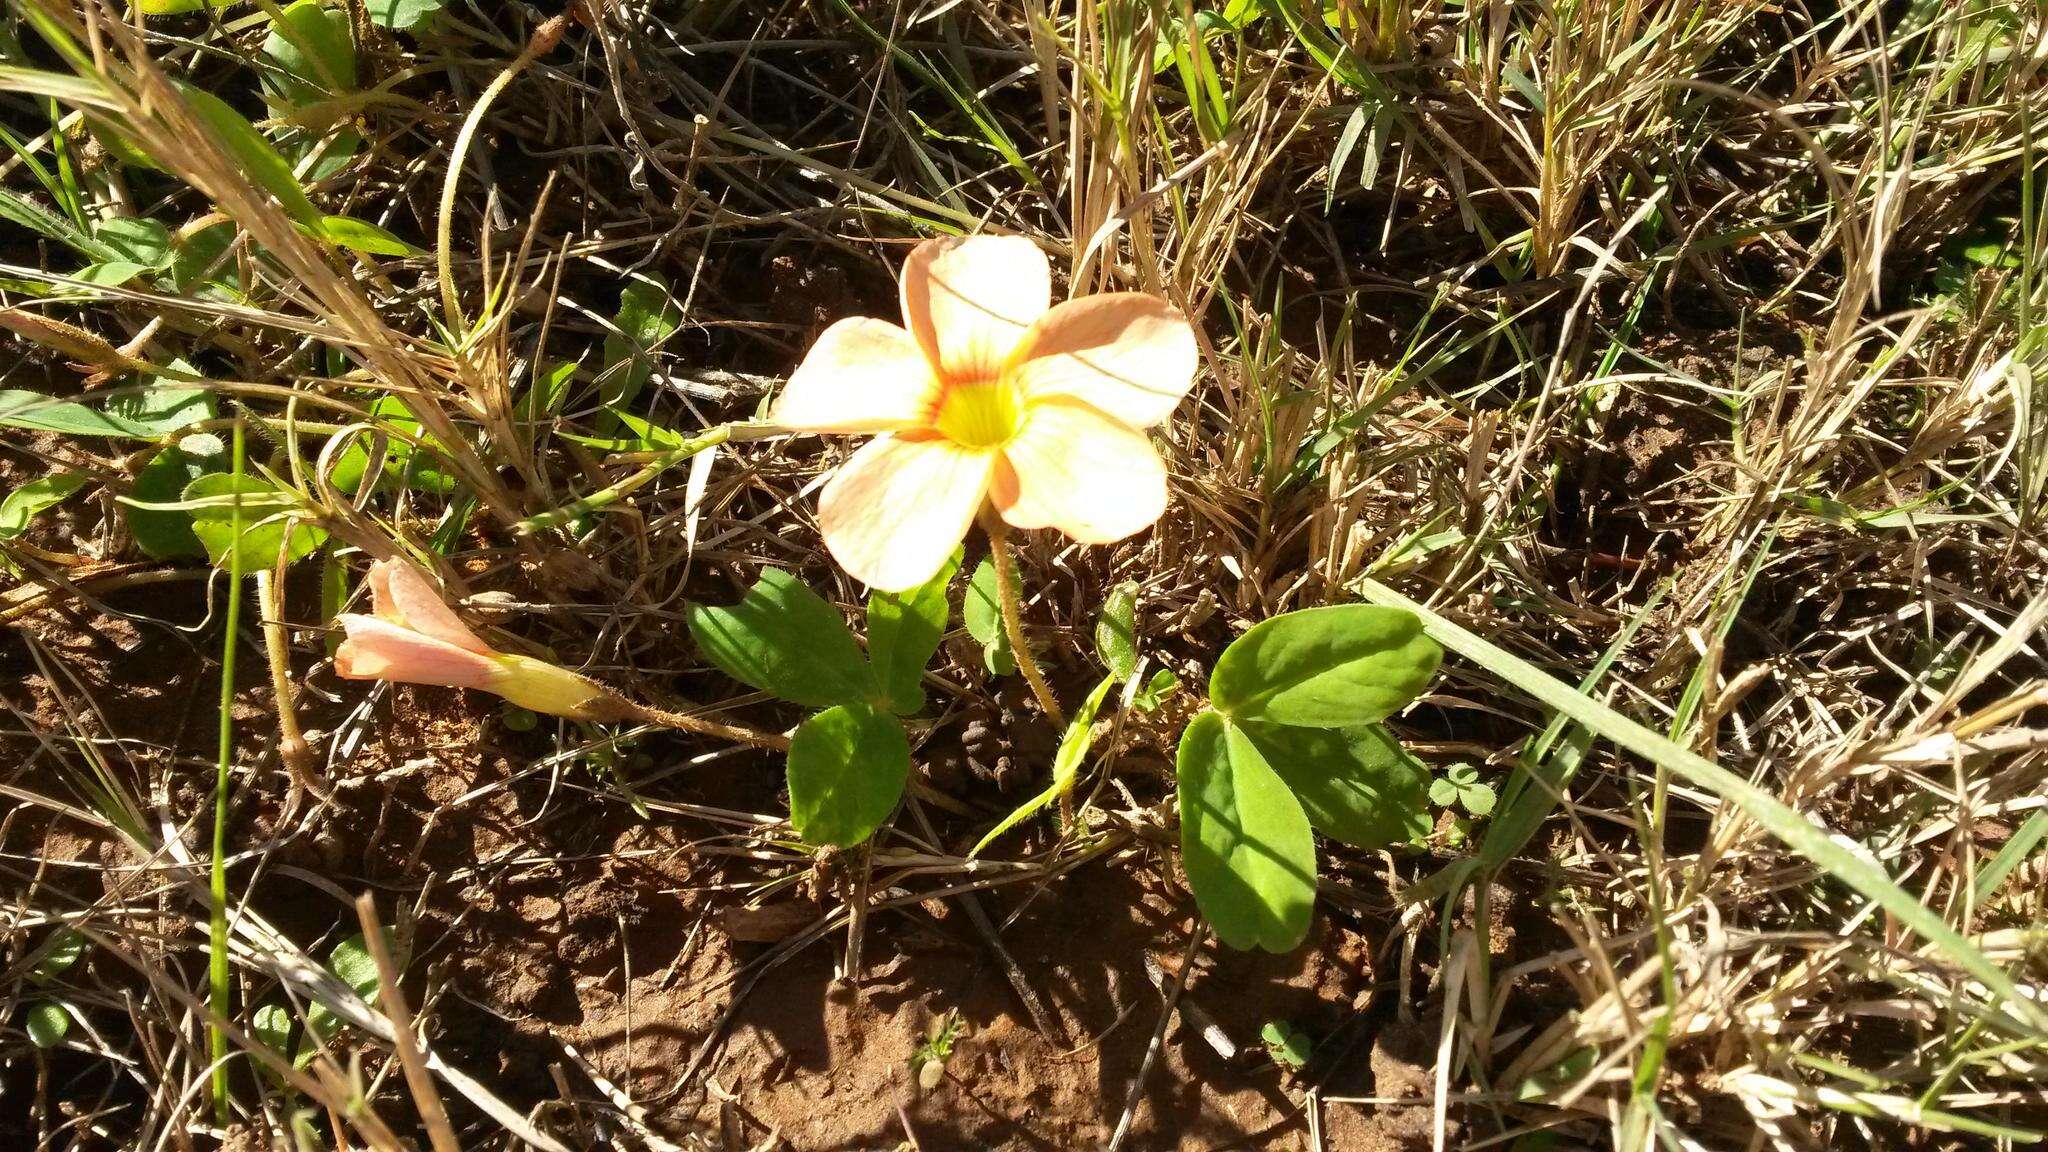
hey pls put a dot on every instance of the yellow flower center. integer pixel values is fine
(984, 414)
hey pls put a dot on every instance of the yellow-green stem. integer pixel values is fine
(291, 741)
(1013, 621)
(217, 935)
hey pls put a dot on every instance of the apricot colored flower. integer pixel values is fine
(415, 638)
(991, 395)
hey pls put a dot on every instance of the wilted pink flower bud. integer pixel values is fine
(415, 638)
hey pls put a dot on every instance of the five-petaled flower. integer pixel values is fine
(415, 638)
(992, 397)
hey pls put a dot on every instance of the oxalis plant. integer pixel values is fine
(992, 406)
(1291, 744)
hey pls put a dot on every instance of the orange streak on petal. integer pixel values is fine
(969, 299)
(1130, 354)
(863, 375)
(1080, 471)
(895, 511)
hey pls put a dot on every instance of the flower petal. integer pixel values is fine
(402, 595)
(377, 649)
(896, 510)
(863, 375)
(1130, 354)
(970, 299)
(1078, 470)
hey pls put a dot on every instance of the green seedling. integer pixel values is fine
(47, 1022)
(1291, 744)
(1460, 786)
(928, 1063)
(848, 763)
(1289, 1046)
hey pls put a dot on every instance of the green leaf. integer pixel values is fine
(983, 615)
(1358, 785)
(405, 464)
(359, 236)
(110, 274)
(1337, 667)
(23, 409)
(60, 952)
(647, 316)
(166, 404)
(251, 152)
(847, 768)
(1288, 1045)
(782, 638)
(272, 1025)
(1244, 839)
(550, 388)
(404, 15)
(1443, 793)
(137, 241)
(904, 629)
(1162, 685)
(1478, 799)
(197, 267)
(1116, 631)
(48, 1023)
(26, 502)
(265, 514)
(164, 534)
(312, 53)
(353, 965)
(1066, 764)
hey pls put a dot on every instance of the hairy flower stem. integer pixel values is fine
(733, 732)
(1013, 622)
(291, 741)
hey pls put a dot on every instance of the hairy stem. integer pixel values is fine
(1013, 621)
(291, 741)
(736, 733)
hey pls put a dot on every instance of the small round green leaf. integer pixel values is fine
(1478, 799)
(62, 950)
(47, 1024)
(404, 15)
(1244, 839)
(847, 768)
(1337, 667)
